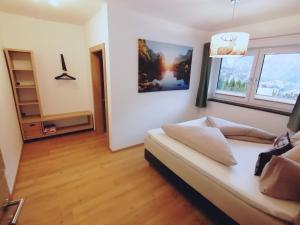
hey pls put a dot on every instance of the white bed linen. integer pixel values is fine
(238, 179)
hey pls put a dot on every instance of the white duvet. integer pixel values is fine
(238, 179)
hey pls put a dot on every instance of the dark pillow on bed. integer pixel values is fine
(281, 145)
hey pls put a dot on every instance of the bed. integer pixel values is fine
(234, 189)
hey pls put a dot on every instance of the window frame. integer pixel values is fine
(251, 98)
(231, 96)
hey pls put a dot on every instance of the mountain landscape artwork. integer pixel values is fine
(163, 66)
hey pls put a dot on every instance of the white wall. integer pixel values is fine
(132, 114)
(10, 135)
(264, 34)
(269, 121)
(96, 30)
(47, 40)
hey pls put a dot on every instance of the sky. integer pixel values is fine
(170, 51)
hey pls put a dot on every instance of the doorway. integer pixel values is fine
(97, 55)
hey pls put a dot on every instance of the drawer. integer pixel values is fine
(32, 130)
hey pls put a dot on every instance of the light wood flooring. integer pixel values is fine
(76, 179)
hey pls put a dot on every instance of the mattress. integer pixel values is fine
(238, 179)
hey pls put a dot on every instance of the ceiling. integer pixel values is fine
(214, 14)
(69, 11)
(201, 14)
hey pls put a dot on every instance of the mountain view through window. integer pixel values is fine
(234, 74)
(280, 77)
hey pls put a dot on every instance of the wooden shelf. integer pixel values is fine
(17, 50)
(73, 128)
(31, 119)
(69, 129)
(59, 130)
(22, 74)
(63, 129)
(66, 115)
(29, 103)
(25, 86)
(23, 70)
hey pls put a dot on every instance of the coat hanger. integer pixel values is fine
(64, 75)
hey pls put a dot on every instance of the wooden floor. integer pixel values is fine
(76, 180)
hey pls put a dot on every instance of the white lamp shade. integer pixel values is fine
(229, 44)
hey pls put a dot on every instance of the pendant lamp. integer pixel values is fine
(229, 44)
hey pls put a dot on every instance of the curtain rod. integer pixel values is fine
(275, 36)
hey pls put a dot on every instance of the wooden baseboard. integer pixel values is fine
(126, 148)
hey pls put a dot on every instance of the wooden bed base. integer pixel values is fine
(214, 213)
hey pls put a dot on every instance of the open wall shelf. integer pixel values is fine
(27, 96)
(20, 60)
(68, 122)
(24, 78)
(33, 123)
(37, 127)
(31, 119)
(22, 73)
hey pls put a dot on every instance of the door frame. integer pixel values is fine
(97, 87)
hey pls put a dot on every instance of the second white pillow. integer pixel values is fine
(206, 140)
(293, 154)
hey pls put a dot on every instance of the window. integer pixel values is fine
(268, 78)
(280, 78)
(234, 75)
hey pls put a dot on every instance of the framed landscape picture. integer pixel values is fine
(163, 67)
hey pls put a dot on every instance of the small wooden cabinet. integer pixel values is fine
(21, 68)
(32, 130)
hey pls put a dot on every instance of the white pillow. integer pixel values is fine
(293, 154)
(296, 138)
(229, 128)
(206, 140)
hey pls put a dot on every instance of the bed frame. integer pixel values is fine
(208, 196)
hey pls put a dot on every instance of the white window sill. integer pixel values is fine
(245, 105)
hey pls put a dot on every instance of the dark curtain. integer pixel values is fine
(201, 100)
(294, 121)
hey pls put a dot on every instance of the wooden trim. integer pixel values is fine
(97, 48)
(36, 82)
(250, 106)
(17, 50)
(129, 147)
(12, 80)
(97, 88)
